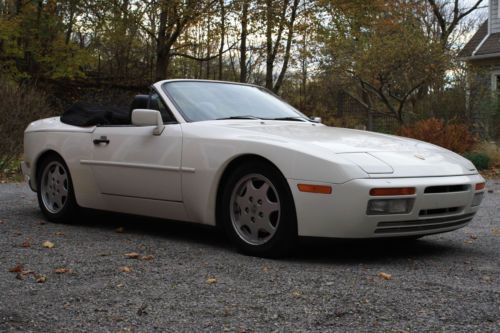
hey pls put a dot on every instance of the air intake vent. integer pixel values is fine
(447, 188)
(423, 225)
(439, 211)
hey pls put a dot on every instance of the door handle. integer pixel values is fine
(103, 139)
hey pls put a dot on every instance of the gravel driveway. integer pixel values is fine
(186, 278)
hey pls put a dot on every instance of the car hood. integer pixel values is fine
(379, 155)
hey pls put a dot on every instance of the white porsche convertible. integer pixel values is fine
(236, 156)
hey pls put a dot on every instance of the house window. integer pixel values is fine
(495, 82)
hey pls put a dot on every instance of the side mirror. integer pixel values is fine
(147, 117)
(316, 119)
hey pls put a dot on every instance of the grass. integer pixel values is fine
(11, 172)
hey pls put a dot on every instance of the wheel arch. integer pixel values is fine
(38, 160)
(229, 168)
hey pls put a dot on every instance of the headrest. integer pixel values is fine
(139, 102)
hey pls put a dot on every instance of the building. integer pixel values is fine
(482, 54)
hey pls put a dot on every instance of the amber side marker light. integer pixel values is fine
(392, 191)
(480, 186)
(322, 189)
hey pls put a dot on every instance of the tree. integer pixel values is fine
(365, 52)
(448, 18)
(277, 19)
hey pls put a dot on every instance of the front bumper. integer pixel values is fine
(342, 214)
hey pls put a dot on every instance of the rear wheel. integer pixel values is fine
(55, 190)
(258, 211)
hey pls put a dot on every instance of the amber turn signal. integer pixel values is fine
(480, 186)
(392, 191)
(322, 189)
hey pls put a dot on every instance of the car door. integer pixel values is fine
(130, 161)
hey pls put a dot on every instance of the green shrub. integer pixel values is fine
(480, 160)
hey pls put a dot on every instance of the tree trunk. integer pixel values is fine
(286, 56)
(243, 44)
(222, 35)
(161, 55)
(269, 45)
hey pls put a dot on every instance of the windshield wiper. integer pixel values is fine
(238, 117)
(288, 118)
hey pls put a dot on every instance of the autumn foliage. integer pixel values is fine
(455, 137)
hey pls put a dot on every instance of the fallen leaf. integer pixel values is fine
(468, 241)
(148, 257)
(125, 269)
(265, 269)
(385, 276)
(48, 244)
(16, 269)
(211, 280)
(40, 278)
(132, 255)
(119, 230)
(59, 233)
(26, 244)
(486, 278)
(62, 270)
(495, 231)
(119, 285)
(296, 293)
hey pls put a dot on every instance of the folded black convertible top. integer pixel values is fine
(88, 114)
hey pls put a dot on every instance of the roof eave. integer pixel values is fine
(481, 56)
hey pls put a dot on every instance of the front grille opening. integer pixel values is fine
(447, 188)
(429, 224)
(439, 211)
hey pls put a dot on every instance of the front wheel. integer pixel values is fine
(258, 211)
(55, 190)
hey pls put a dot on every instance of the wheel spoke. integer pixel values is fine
(269, 207)
(242, 202)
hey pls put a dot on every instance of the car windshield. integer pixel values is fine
(201, 100)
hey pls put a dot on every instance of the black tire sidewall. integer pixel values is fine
(70, 206)
(285, 237)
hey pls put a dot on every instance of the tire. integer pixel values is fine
(56, 197)
(258, 212)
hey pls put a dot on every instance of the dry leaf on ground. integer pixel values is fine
(148, 257)
(48, 244)
(16, 269)
(385, 276)
(62, 270)
(125, 269)
(296, 293)
(211, 280)
(495, 231)
(59, 233)
(40, 278)
(132, 255)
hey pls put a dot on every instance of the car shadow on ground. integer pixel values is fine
(308, 249)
